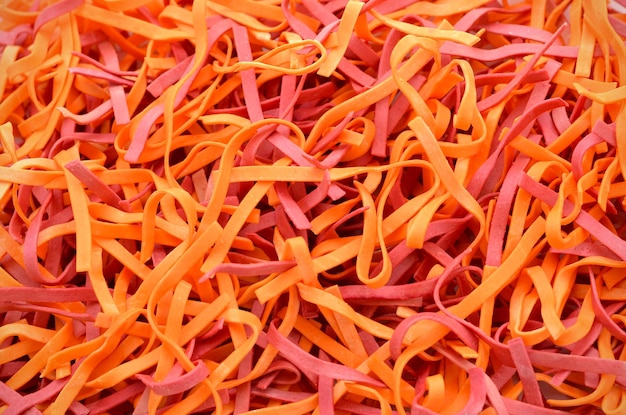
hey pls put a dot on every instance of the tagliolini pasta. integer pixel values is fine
(303, 206)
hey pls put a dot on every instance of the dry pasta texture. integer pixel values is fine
(312, 207)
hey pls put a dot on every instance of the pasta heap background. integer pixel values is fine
(303, 206)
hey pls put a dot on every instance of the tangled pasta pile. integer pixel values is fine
(303, 206)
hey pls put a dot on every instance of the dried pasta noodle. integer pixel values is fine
(312, 207)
